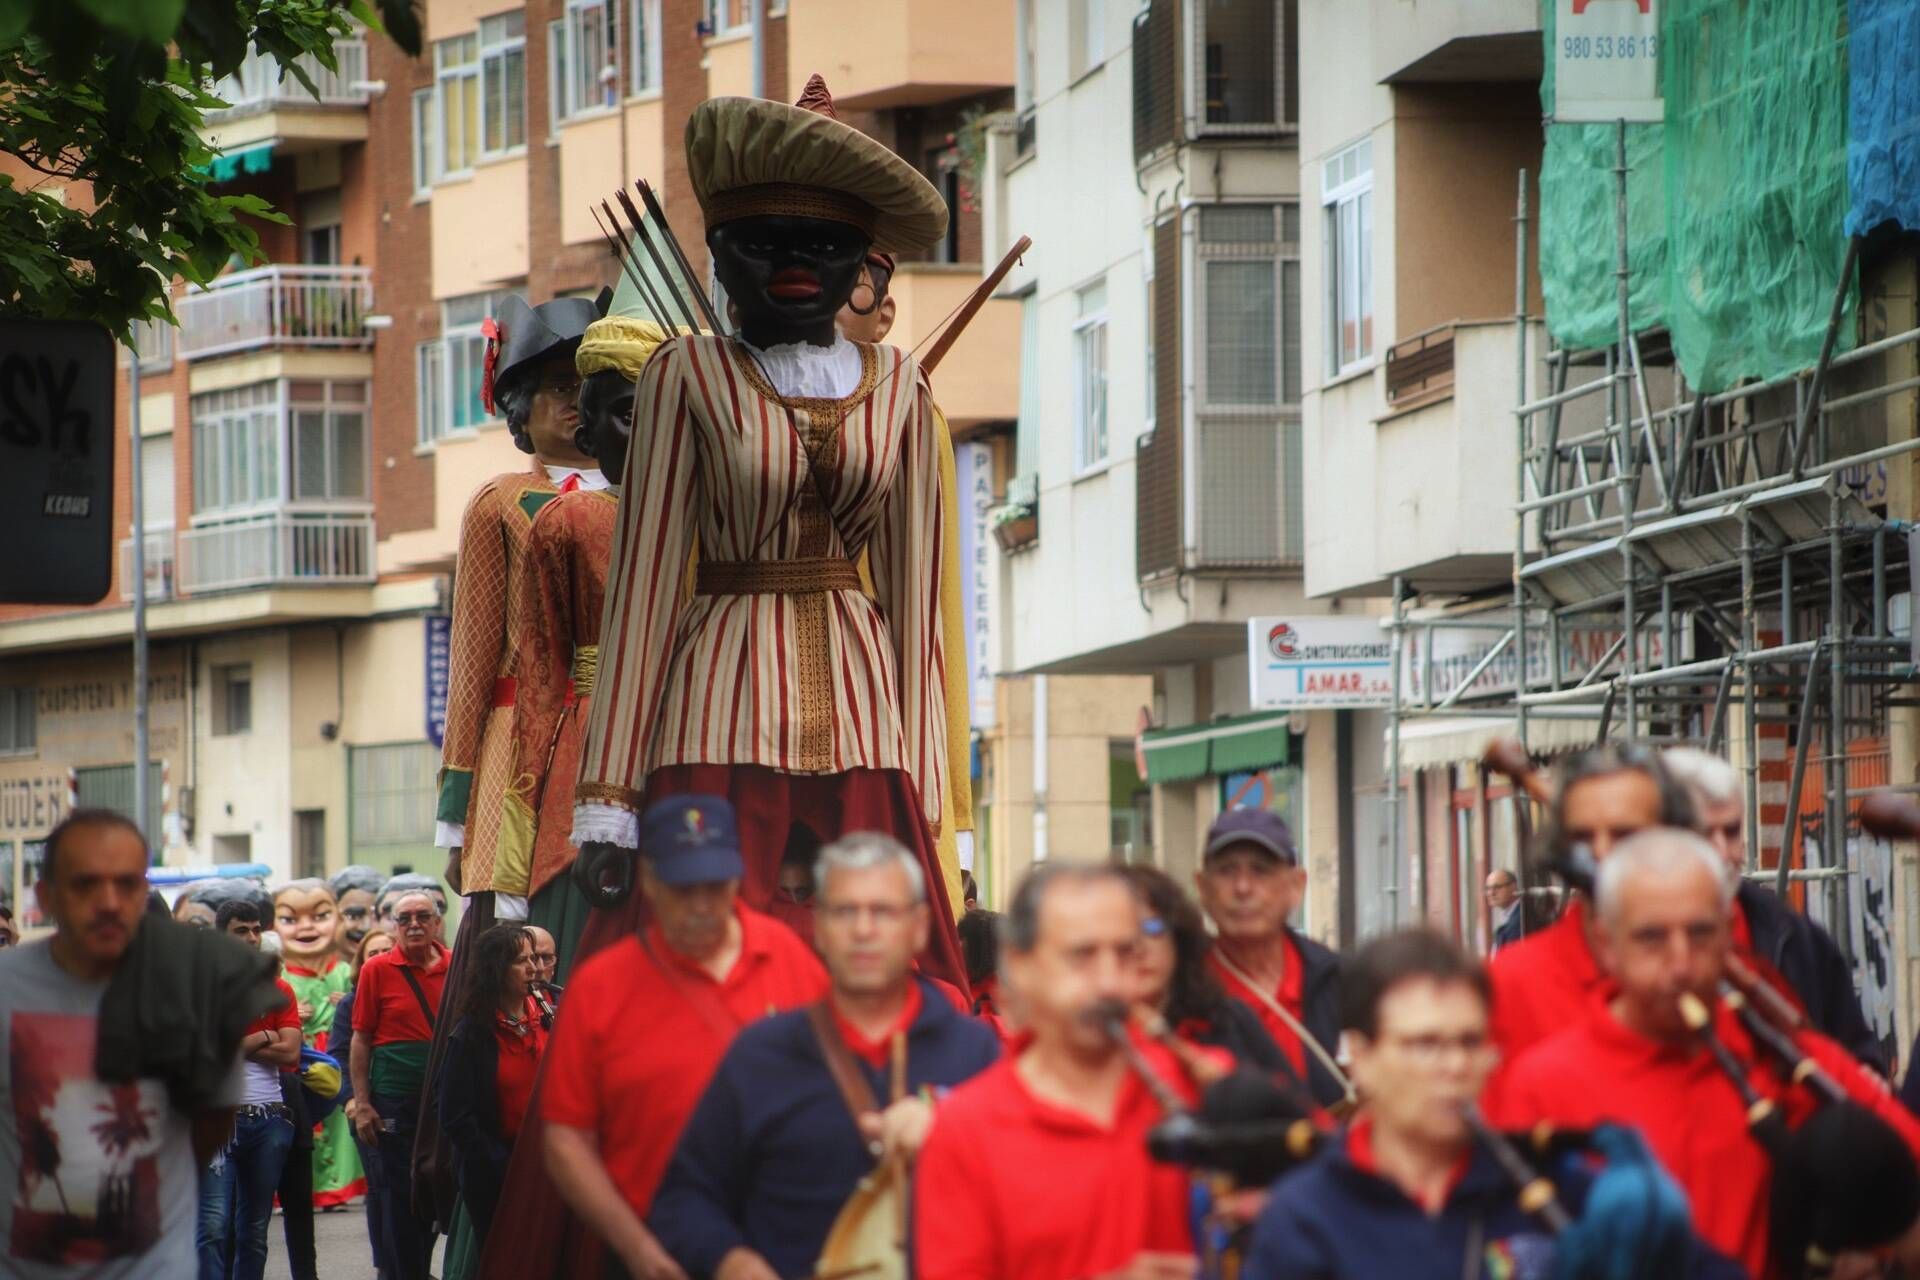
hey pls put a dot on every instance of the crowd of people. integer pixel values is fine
(726, 1094)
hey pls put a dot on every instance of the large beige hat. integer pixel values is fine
(749, 156)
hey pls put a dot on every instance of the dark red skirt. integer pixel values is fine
(533, 1233)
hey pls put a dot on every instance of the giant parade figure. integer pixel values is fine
(306, 916)
(783, 453)
(563, 577)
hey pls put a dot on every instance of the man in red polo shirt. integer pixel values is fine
(1628, 1057)
(647, 1020)
(1250, 882)
(394, 1007)
(1547, 979)
(1037, 1168)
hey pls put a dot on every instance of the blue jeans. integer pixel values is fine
(236, 1196)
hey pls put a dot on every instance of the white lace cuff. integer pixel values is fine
(449, 835)
(509, 906)
(963, 844)
(597, 823)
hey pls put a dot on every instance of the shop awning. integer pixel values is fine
(229, 165)
(1237, 744)
(1427, 741)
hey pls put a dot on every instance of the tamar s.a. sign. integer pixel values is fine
(56, 461)
(1301, 663)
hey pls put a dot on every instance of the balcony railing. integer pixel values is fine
(1156, 54)
(270, 306)
(159, 566)
(260, 85)
(278, 549)
(1420, 364)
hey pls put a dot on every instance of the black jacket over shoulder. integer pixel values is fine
(177, 1006)
(470, 1118)
(1320, 1011)
(1808, 958)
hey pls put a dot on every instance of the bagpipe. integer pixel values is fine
(1843, 1180)
(1249, 1128)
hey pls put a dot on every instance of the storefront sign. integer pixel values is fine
(1606, 60)
(973, 470)
(1319, 663)
(1443, 656)
(439, 667)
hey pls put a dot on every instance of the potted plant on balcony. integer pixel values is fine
(1015, 524)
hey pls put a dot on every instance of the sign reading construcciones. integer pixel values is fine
(1320, 663)
(1606, 60)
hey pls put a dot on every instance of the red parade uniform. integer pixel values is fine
(1690, 1113)
(1542, 982)
(1011, 1185)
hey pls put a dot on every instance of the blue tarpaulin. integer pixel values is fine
(1883, 109)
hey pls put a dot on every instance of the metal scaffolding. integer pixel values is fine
(1736, 550)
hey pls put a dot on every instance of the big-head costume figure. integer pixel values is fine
(783, 454)
(306, 915)
(531, 378)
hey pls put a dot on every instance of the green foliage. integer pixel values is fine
(111, 94)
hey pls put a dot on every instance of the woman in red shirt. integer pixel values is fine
(488, 1078)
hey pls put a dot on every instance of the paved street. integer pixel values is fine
(340, 1239)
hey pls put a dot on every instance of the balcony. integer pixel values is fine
(1446, 441)
(281, 548)
(1156, 86)
(902, 53)
(277, 306)
(266, 105)
(1454, 41)
(159, 565)
(978, 381)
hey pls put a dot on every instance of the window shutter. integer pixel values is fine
(1157, 474)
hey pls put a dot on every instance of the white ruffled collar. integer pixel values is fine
(802, 370)
(590, 477)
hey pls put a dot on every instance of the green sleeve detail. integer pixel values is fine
(456, 787)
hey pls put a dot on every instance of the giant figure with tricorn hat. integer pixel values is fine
(784, 452)
(528, 378)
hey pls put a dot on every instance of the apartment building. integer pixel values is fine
(1416, 123)
(1151, 497)
(310, 433)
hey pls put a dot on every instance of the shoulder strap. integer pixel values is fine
(1280, 1011)
(406, 971)
(854, 1089)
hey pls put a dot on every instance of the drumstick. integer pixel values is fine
(1894, 815)
(1508, 756)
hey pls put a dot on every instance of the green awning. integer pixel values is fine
(1236, 744)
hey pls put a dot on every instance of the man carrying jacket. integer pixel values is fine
(1250, 883)
(776, 1146)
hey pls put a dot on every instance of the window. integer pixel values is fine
(1090, 377)
(725, 17)
(426, 165)
(643, 63)
(236, 448)
(16, 719)
(391, 794)
(1088, 31)
(448, 369)
(1152, 380)
(233, 699)
(329, 425)
(503, 78)
(582, 79)
(1241, 65)
(456, 83)
(1250, 304)
(1346, 192)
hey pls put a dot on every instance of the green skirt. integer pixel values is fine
(562, 910)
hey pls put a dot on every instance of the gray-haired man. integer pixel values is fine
(772, 1153)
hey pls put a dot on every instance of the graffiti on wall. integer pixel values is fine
(1865, 933)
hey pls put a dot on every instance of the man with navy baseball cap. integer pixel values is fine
(1250, 883)
(648, 1019)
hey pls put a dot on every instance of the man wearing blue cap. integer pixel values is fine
(1250, 881)
(649, 1018)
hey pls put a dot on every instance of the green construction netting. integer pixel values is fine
(1736, 204)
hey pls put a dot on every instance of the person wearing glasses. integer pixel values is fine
(1408, 1190)
(772, 1154)
(1177, 983)
(396, 1005)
